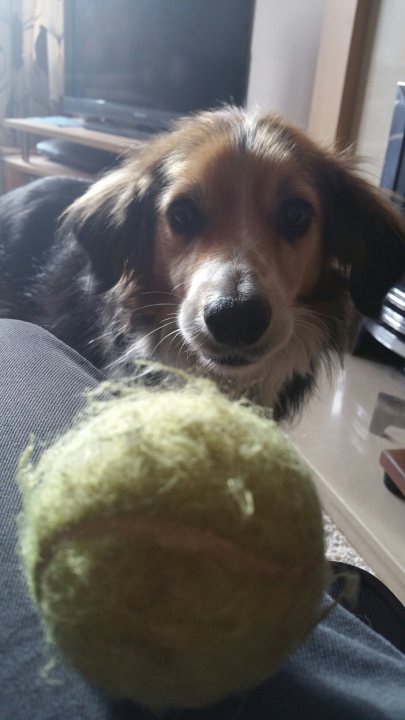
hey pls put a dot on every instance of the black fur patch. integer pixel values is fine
(293, 395)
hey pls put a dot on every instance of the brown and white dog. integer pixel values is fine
(233, 246)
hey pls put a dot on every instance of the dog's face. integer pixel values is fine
(228, 245)
(239, 236)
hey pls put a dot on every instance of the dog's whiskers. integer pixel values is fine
(114, 332)
(173, 335)
(154, 305)
(176, 287)
(314, 328)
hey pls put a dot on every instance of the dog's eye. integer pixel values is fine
(295, 217)
(185, 217)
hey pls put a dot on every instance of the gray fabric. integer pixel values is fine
(344, 671)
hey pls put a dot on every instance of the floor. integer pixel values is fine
(334, 437)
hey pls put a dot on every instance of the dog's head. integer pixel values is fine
(244, 240)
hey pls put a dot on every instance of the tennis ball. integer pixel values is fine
(173, 544)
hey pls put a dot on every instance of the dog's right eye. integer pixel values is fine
(295, 217)
(184, 217)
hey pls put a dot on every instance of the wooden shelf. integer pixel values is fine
(41, 167)
(79, 135)
(22, 164)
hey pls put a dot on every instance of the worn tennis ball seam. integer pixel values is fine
(175, 536)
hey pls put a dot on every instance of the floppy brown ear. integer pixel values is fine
(364, 233)
(113, 221)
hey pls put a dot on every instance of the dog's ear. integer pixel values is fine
(365, 234)
(113, 221)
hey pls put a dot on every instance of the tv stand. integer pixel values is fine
(88, 159)
(21, 164)
(132, 133)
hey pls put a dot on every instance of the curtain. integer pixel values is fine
(31, 59)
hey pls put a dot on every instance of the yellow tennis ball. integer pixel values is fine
(173, 543)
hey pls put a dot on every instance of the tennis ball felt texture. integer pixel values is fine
(173, 543)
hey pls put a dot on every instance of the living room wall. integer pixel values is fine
(285, 45)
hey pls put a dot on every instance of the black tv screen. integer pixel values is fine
(143, 62)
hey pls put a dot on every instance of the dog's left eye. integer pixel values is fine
(184, 217)
(295, 217)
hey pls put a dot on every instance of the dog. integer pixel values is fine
(232, 246)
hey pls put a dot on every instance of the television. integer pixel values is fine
(139, 64)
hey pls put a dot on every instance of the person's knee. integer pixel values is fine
(16, 331)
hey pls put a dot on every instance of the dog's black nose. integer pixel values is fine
(237, 322)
